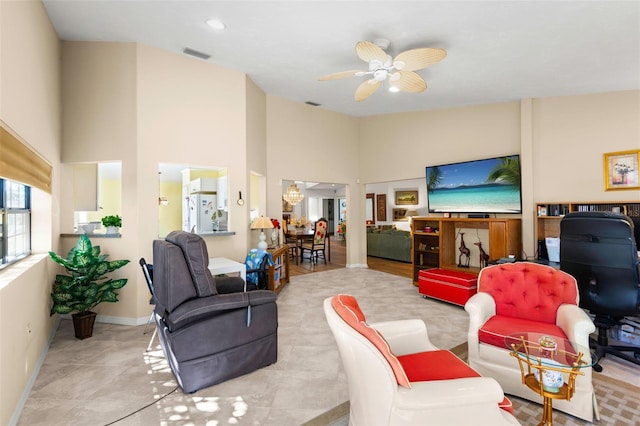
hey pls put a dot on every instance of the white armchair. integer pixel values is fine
(381, 360)
(525, 296)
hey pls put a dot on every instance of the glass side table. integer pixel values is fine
(549, 366)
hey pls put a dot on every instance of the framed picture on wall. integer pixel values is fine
(381, 207)
(406, 198)
(399, 215)
(621, 170)
(286, 206)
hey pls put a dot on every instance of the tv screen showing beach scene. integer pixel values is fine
(490, 185)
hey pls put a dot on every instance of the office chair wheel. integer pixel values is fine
(597, 367)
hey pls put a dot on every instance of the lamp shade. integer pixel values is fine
(261, 223)
(412, 213)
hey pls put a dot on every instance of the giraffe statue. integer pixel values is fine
(484, 257)
(463, 251)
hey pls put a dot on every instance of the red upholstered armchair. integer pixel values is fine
(397, 377)
(526, 296)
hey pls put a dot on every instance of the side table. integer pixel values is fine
(279, 271)
(548, 359)
(222, 265)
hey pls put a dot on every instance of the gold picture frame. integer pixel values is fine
(406, 198)
(381, 207)
(399, 215)
(286, 206)
(621, 170)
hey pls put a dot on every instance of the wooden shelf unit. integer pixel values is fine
(438, 248)
(549, 215)
(279, 271)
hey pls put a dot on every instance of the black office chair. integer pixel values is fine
(147, 270)
(600, 251)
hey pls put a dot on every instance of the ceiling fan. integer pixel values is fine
(399, 70)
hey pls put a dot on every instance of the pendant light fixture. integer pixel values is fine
(293, 195)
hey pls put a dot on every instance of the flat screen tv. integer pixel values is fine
(490, 185)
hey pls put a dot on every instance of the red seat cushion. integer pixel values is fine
(494, 331)
(440, 365)
(419, 367)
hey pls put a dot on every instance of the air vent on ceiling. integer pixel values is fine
(195, 53)
(312, 103)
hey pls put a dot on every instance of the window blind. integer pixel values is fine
(20, 163)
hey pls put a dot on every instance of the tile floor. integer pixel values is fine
(111, 376)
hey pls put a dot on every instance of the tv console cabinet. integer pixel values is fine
(434, 241)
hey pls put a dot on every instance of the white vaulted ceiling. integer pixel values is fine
(497, 51)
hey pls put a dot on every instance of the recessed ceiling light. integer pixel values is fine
(394, 89)
(216, 24)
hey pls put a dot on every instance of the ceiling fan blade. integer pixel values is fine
(342, 74)
(416, 59)
(368, 51)
(367, 89)
(409, 81)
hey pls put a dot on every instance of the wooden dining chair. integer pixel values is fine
(316, 246)
(291, 242)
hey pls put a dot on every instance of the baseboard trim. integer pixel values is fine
(109, 319)
(357, 265)
(122, 320)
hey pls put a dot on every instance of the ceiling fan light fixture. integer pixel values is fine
(381, 74)
(399, 70)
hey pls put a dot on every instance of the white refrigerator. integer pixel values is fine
(201, 207)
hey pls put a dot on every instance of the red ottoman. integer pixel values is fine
(451, 286)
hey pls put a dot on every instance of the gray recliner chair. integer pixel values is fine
(210, 329)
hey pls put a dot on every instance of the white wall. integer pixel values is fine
(561, 141)
(389, 190)
(30, 104)
(314, 145)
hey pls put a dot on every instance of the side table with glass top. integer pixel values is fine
(549, 366)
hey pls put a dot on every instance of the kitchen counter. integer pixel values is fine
(93, 235)
(216, 233)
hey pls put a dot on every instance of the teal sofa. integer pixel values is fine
(390, 244)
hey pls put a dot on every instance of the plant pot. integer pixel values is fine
(83, 324)
(112, 229)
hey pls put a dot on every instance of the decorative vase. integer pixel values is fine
(274, 237)
(112, 229)
(552, 380)
(83, 324)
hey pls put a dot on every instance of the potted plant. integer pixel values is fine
(86, 286)
(112, 223)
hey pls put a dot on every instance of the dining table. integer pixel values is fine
(305, 234)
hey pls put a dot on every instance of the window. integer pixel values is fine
(15, 221)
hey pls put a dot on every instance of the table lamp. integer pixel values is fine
(262, 223)
(410, 215)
